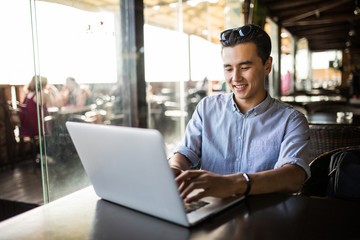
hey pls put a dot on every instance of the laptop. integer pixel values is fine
(128, 166)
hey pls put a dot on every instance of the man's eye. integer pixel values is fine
(228, 69)
(244, 68)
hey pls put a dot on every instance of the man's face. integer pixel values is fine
(245, 73)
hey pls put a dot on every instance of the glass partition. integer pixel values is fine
(16, 58)
(166, 70)
(17, 68)
(72, 54)
(80, 55)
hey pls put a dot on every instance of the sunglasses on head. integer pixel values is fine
(242, 31)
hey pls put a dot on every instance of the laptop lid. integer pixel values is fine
(128, 166)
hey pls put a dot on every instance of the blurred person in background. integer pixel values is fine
(28, 109)
(31, 112)
(73, 95)
(54, 98)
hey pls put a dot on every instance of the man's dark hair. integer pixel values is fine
(248, 33)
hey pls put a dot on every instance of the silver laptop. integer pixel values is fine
(128, 166)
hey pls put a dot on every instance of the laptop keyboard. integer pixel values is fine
(190, 207)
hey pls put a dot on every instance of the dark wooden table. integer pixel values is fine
(332, 118)
(82, 215)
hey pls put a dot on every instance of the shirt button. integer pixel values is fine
(238, 159)
(255, 113)
(243, 116)
(240, 138)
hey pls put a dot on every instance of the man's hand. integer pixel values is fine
(288, 178)
(213, 184)
(176, 171)
(178, 163)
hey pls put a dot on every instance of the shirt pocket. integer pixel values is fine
(263, 154)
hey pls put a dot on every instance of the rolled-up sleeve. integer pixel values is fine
(295, 145)
(191, 145)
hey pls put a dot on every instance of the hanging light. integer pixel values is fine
(357, 7)
(357, 11)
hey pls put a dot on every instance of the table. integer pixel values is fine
(82, 215)
(303, 99)
(332, 118)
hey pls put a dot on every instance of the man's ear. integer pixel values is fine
(268, 65)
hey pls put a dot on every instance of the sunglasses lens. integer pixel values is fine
(225, 35)
(244, 31)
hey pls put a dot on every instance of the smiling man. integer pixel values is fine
(244, 142)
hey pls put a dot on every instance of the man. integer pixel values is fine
(245, 142)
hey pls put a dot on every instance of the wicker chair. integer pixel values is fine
(325, 138)
(319, 167)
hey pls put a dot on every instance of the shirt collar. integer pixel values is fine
(233, 103)
(260, 108)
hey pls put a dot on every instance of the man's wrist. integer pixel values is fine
(176, 167)
(238, 184)
(179, 161)
(248, 181)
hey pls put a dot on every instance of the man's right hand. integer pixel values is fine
(176, 171)
(178, 163)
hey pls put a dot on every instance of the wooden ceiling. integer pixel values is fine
(327, 24)
(203, 19)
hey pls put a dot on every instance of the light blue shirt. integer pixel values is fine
(220, 139)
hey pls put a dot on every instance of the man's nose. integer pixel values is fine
(237, 76)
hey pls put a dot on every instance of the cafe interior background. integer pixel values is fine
(143, 64)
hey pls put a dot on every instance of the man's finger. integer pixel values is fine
(197, 197)
(191, 186)
(189, 174)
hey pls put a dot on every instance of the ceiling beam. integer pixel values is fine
(326, 46)
(343, 18)
(328, 37)
(317, 11)
(317, 30)
(332, 38)
(286, 4)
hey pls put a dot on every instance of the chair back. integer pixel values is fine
(317, 184)
(325, 138)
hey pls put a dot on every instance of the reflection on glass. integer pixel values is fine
(16, 71)
(78, 54)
